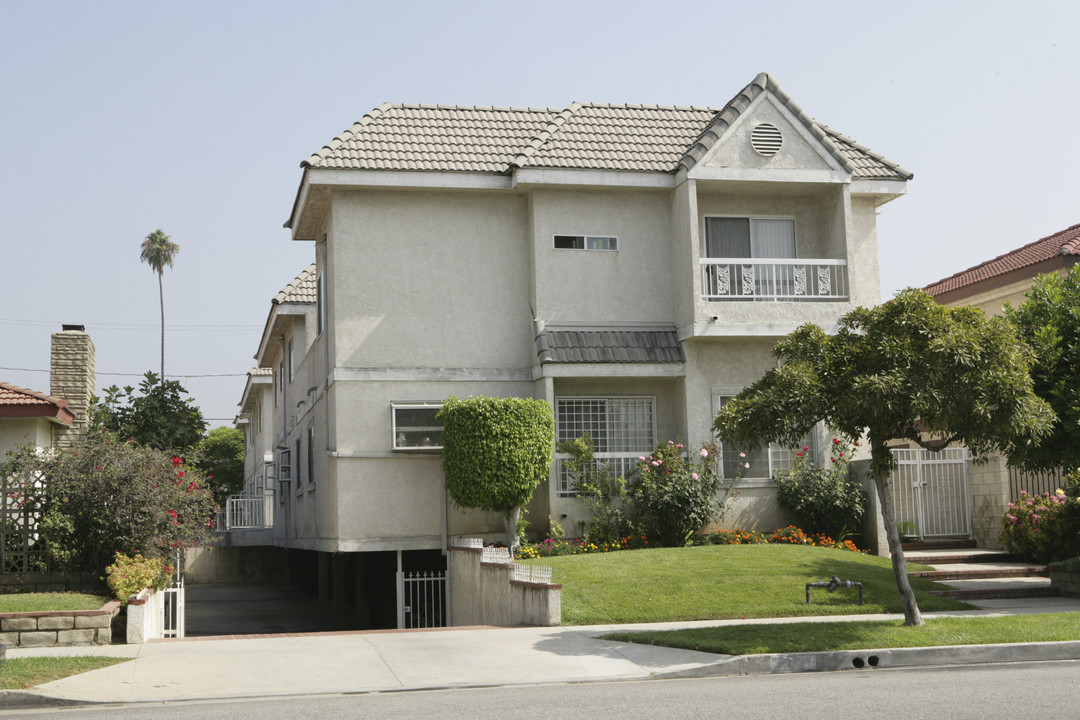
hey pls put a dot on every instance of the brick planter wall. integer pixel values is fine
(58, 627)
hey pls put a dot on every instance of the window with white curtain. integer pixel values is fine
(749, 237)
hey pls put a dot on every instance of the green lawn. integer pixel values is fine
(20, 673)
(816, 637)
(40, 602)
(714, 582)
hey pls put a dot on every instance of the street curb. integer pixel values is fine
(29, 700)
(832, 661)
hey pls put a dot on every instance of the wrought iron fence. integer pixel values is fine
(1035, 483)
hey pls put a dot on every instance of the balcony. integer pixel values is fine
(247, 512)
(774, 279)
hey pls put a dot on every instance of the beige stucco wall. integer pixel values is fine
(427, 279)
(24, 431)
(628, 285)
(386, 496)
(795, 152)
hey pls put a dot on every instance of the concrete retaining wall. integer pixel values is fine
(485, 593)
(59, 627)
(1066, 582)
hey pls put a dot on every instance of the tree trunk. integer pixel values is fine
(912, 616)
(161, 298)
(513, 515)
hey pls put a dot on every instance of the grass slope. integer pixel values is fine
(715, 582)
(823, 636)
(21, 673)
(42, 602)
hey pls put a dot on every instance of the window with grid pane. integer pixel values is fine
(764, 462)
(621, 428)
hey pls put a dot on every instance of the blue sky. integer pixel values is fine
(119, 118)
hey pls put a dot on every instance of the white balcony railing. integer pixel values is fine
(775, 279)
(247, 512)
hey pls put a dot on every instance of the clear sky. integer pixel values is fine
(122, 117)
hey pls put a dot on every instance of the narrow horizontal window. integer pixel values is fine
(415, 427)
(586, 242)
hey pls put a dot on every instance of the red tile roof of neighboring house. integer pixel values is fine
(1066, 242)
(20, 402)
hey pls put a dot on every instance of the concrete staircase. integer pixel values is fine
(974, 574)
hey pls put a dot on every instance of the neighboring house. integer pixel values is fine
(57, 419)
(989, 285)
(632, 265)
(1006, 278)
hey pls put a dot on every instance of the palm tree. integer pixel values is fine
(158, 251)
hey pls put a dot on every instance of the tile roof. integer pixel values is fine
(623, 345)
(643, 138)
(1065, 242)
(18, 401)
(302, 289)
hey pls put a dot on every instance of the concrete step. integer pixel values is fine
(964, 556)
(983, 570)
(998, 587)
(938, 545)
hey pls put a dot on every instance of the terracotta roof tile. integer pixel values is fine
(641, 138)
(15, 395)
(1065, 242)
(20, 402)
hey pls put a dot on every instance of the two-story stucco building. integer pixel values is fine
(632, 265)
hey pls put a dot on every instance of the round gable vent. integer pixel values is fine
(766, 139)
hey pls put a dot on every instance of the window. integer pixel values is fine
(622, 430)
(320, 300)
(415, 427)
(749, 237)
(281, 376)
(311, 454)
(291, 364)
(764, 462)
(299, 475)
(284, 473)
(586, 242)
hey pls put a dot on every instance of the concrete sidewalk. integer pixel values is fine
(370, 661)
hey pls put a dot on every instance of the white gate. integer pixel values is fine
(173, 625)
(423, 599)
(931, 493)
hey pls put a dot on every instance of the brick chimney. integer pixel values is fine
(72, 378)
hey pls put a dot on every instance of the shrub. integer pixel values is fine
(822, 499)
(673, 496)
(108, 497)
(496, 451)
(602, 492)
(1039, 529)
(129, 575)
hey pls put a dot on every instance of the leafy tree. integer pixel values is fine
(158, 252)
(496, 451)
(109, 496)
(1049, 321)
(221, 458)
(909, 369)
(160, 417)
